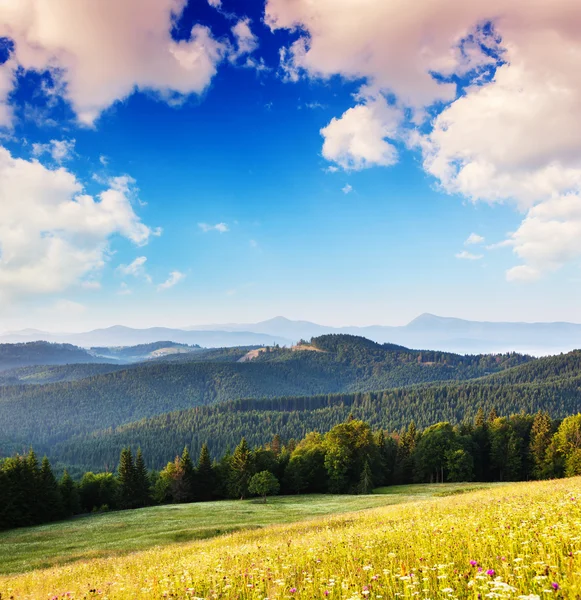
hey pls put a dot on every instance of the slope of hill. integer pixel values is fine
(42, 353)
(46, 414)
(55, 373)
(513, 541)
(142, 352)
(222, 425)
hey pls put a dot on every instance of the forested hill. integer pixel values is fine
(222, 425)
(561, 366)
(43, 415)
(42, 353)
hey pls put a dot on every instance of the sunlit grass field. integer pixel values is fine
(516, 541)
(128, 531)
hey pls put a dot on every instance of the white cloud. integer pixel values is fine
(103, 160)
(548, 238)
(215, 3)
(473, 238)
(512, 138)
(100, 52)
(135, 268)
(468, 255)
(358, 139)
(246, 41)
(174, 277)
(52, 234)
(91, 284)
(221, 227)
(59, 150)
(346, 189)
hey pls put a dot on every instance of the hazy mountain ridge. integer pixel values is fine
(426, 331)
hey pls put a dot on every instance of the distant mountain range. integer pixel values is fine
(425, 332)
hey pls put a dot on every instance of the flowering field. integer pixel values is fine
(516, 541)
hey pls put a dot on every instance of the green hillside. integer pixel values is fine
(222, 425)
(13, 356)
(44, 415)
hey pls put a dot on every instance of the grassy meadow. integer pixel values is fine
(121, 532)
(515, 541)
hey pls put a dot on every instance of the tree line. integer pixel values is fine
(350, 458)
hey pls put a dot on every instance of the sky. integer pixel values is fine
(349, 162)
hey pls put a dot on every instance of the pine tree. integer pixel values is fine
(69, 495)
(541, 437)
(205, 475)
(188, 476)
(276, 445)
(241, 470)
(366, 481)
(142, 492)
(126, 475)
(50, 493)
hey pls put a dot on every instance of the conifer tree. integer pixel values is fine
(50, 493)
(142, 492)
(69, 495)
(126, 475)
(366, 481)
(205, 475)
(541, 436)
(241, 470)
(188, 476)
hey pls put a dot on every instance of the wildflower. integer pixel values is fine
(555, 585)
(491, 572)
(473, 563)
(326, 593)
(293, 590)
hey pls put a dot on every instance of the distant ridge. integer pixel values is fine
(427, 331)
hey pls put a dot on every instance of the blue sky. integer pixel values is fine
(299, 233)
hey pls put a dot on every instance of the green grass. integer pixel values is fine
(118, 533)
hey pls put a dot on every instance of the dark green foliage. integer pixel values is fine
(47, 414)
(241, 470)
(366, 484)
(205, 475)
(350, 458)
(263, 484)
(142, 483)
(69, 495)
(98, 490)
(127, 480)
(13, 356)
(52, 504)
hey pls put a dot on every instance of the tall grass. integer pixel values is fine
(516, 541)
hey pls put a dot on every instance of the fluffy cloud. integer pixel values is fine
(359, 138)
(100, 52)
(346, 189)
(59, 150)
(174, 277)
(220, 227)
(246, 41)
(464, 255)
(473, 238)
(52, 234)
(510, 136)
